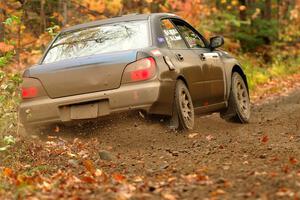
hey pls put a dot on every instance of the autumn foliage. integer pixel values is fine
(263, 34)
(27, 26)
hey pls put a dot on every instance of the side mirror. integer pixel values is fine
(216, 42)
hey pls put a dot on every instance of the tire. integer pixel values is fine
(183, 112)
(238, 109)
(32, 130)
(37, 130)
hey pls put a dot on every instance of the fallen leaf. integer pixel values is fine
(217, 192)
(265, 139)
(8, 172)
(192, 135)
(83, 153)
(168, 196)
(118, 177)
(88, 179)
(89, 165)
(98, 172)
(209, 137)
(273, 174)
(293, 160)
(286, 169)
(45, 186)
(138, 179)
(72, 155)
(226, 167)
(172, 179)
(284, 192)
(4, 148)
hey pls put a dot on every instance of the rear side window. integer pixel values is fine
(172, 36)
(102, 39)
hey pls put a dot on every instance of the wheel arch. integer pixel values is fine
(238, 69)
(235, 68)
(164, 104)
(181, 77)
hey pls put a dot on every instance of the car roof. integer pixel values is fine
(129, 17)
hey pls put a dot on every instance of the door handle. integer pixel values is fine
(180, 57)
(205, 56)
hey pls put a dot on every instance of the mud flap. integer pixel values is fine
(174, 121)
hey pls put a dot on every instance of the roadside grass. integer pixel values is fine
(259, 73)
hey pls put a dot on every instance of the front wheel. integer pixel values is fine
(238, 109)
(183, 107)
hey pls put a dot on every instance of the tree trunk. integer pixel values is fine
(65, 12)
(243, 14)
(217, 4)
(43, 18)
(18, 52)
(154, 6)
(2, 26)
(268, 10)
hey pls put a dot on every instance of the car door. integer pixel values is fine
(187, 61)
(210, 72)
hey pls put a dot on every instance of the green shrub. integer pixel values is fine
(260, 32)
(9, 98)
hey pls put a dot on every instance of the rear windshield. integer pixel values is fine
(102, 39)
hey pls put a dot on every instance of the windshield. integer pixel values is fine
(102, 39)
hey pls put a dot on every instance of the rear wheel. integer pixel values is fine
(238, 109)
(32, 130)
(39, 129)
(183, 114)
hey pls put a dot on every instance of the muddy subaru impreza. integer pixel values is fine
(157, 63)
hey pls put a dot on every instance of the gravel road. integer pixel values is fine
(218, 160)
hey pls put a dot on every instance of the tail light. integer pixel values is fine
(29, 92)
(140, 70)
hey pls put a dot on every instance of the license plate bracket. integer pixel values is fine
(84, 111)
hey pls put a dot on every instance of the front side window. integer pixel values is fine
(173, 38)
(189, 35)
(102, 39)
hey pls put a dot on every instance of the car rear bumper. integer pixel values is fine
(92, 105)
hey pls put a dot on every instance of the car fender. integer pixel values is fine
(230, 66)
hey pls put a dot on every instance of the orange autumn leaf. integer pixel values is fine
(89, 165)
(217, 192)
(58, 16)
(273, 174)
(5, 47)
(88, 179)
(293, 160)
(118, 177)
(286, 169)
(8, 172)
(95, 5)
(265, 139)
(168, 196)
